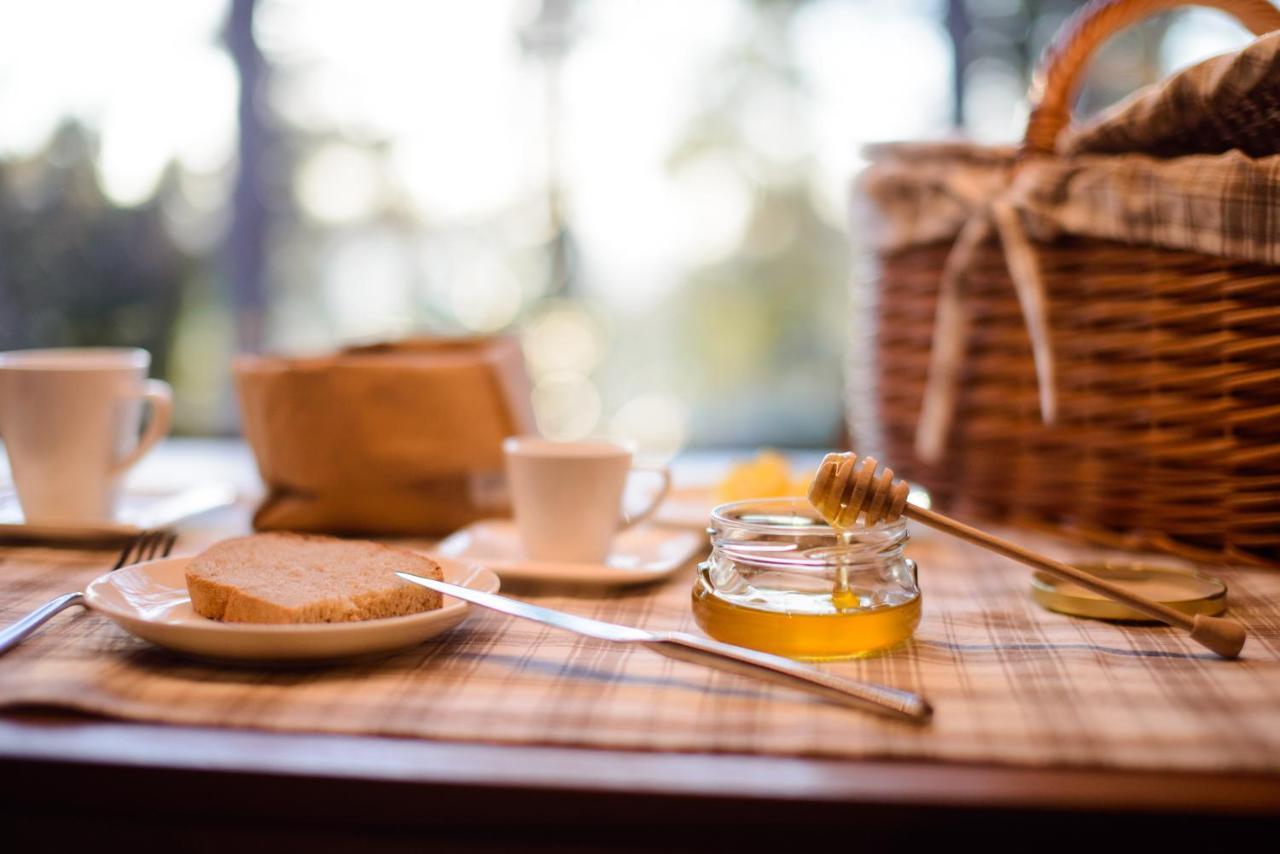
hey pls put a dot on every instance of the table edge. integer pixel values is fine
(179, 752)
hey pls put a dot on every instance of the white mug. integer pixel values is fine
(567, 496)
(70, 419)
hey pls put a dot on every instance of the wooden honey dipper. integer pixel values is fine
(847, 487)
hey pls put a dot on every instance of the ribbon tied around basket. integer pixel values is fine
(1052, 91)
(951, 321)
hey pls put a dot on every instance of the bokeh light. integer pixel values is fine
(657, 423)
(364, 277)
(566, 405)
(338, 183)
(562, 338)
(485, 297)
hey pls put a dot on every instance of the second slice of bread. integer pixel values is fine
(296, 578)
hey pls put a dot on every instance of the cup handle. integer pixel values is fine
(158, 394)
(662, 472)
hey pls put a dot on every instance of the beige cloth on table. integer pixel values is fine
(1010, 683)
(399, 438)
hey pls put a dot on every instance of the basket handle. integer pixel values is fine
(1057, 77)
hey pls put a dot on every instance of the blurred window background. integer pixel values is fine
(650, 193)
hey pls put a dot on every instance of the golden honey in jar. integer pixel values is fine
(781, 580)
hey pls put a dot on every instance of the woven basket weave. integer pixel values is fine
(1167, 365)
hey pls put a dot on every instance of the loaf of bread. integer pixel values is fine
(301, 578)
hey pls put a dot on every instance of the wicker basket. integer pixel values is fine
(1163, 429)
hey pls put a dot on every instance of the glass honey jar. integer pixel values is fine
(781, 580)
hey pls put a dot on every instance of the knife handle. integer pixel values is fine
(867, 696)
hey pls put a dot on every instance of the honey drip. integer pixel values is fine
(847, 488)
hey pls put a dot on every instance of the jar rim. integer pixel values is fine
(734, 515)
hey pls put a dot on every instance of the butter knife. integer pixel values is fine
(866, 696)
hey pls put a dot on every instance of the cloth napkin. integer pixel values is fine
(1223, 103)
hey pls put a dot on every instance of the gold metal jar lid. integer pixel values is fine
(1185, 590)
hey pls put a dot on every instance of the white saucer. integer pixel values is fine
(138, 511)
(640, 554)
(150, 600)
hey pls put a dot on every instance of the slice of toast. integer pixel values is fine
(301, 578)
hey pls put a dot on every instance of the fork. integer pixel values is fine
(147, 545)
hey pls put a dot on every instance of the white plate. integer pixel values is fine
(150, 600)
(643, 553)
(138, 511)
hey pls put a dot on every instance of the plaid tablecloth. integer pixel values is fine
(1011, 683)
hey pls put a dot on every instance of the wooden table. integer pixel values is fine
(81, 778)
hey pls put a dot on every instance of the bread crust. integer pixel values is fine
(307, 578)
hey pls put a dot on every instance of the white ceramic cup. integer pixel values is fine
(70, 422)
(567, 496)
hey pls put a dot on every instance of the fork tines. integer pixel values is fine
(148, 545)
